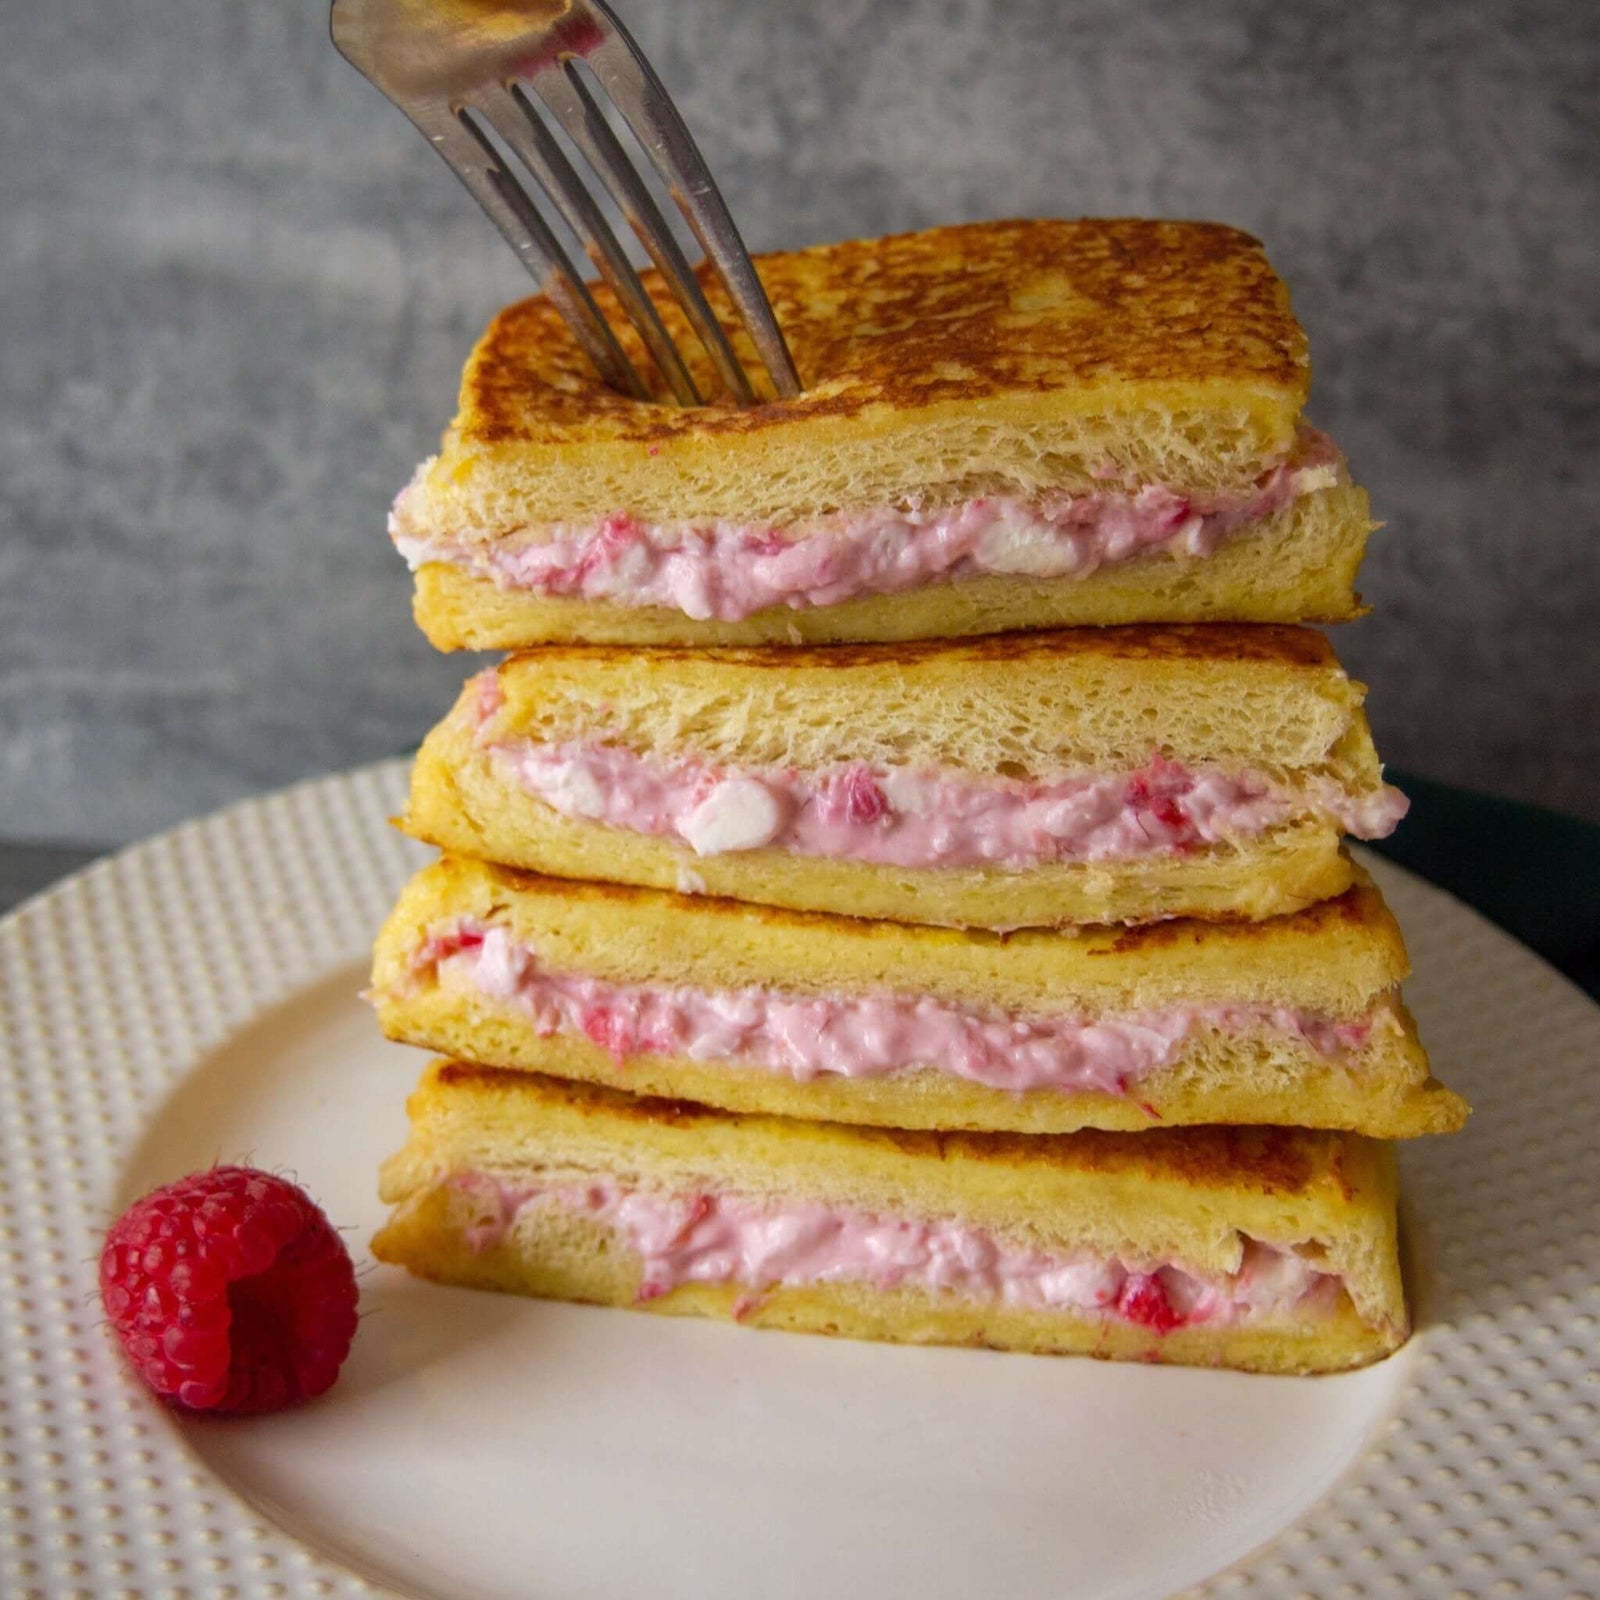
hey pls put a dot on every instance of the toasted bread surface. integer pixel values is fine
(1182, 1195)
(1271, 700)
(1031, 705)
(1338, 959)
(1282, 1179)
(1009, 356)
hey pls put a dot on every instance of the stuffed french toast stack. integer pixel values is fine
(896, 885)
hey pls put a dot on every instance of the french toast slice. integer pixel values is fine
(1080, 776)
(987, 373)
(1266, 1249)
(1296, 1021)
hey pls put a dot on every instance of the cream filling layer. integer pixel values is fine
(726, 570)
(924, 818)
(806, 1036)
(758, 1245)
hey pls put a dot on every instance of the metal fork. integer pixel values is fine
(459, 68)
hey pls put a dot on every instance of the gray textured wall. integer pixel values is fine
(235, 289)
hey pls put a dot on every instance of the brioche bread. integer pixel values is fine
(982, 358)
(1024, 361)
(1014, 709)
(1190, 1197)
(1338, 961)
(1023, 705)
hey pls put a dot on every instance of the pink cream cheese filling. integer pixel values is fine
(921, 818)
(806, 1036)
(756, 1245)
(726, 570)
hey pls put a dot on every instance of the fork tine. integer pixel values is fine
(438, 62)
(515, 118)
(631, 82)
(575, 109)
(477, 163)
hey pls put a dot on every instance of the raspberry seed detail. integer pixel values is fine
(230, 1291)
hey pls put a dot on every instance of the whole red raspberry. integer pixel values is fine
(230, 1291)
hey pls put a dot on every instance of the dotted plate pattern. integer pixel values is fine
(114, 984)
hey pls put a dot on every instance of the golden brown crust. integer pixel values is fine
(1360, 906)
(1267, 1160)
(1337, 959)
(1264, 643)
(922, 319)
(1015, 358)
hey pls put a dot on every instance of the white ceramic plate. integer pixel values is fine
(196, 998)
